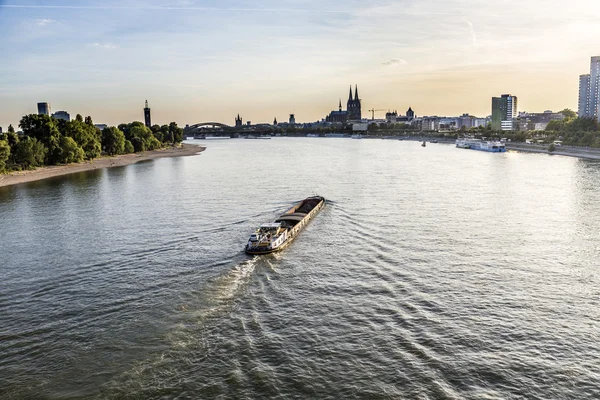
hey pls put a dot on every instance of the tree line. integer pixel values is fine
(50, 141)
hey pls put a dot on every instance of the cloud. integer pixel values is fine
(472, 31)
(394, 62)
(44, 21)
(108, 46)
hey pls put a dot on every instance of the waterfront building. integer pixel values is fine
(62, 115)
(238, 121)
(504, 111)
(43, 108)
(147, 118)
(391, 116)
(292, 119)
(410, 114)
(589, 91)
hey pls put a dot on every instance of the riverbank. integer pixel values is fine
(569, 151)
(16, 178)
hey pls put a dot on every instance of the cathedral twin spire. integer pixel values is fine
(355, 93)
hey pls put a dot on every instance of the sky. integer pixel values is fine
(208, 60)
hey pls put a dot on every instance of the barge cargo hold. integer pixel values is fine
(276, 236)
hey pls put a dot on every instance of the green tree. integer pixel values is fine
(113, 141)
(556, 126)
(128, 147)
(552, 148)
(85, 136)
(569, 114)
(175, 133)
(4, 154)
(153, 143)
(11, 129)
(44, 129)
(138, 144)
(70, 151)
(79, 118)
(30, 153)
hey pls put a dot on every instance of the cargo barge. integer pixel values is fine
(276, 236)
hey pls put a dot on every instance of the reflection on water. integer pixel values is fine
(432, 273)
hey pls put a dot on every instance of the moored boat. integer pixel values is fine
(481, 145)
(277, 235)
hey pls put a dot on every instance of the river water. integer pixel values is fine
(432, 273)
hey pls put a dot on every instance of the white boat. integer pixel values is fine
(357, 136)
(491, 146)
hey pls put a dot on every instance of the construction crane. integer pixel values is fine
(372, 111)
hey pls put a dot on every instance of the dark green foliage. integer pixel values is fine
(153, 143)
(70, 152)
(113, 141)
(86, 137)
(175, 133)
(138, 144)
(552, 148)
(48, 141)
(30, 153)
(128, 147)
(4, 154)
(576, 131)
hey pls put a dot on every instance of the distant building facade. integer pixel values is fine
(537, 121)
(62, 115)
(43, 108)
(147, 118)
(238, 121)
(504, 111)
(589, 91)
(292, 119)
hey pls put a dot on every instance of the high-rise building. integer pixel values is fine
(595, 87)
(62, 115)
(583, 109)
(589, 91)
(43, 108)
(147, 119)
(504, 111)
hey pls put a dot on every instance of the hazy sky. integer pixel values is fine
(207, 60)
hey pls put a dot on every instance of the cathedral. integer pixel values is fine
(353, 110)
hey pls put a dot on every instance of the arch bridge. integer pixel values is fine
(214, 125)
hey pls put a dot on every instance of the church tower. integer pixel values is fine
(238, 121)
(147, 119)
(354, 106)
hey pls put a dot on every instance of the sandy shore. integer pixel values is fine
(104, 162)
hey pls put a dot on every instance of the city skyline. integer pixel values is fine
(196, 61)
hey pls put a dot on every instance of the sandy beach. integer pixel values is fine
(16, 178)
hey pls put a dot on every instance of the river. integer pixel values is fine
(432, 273)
